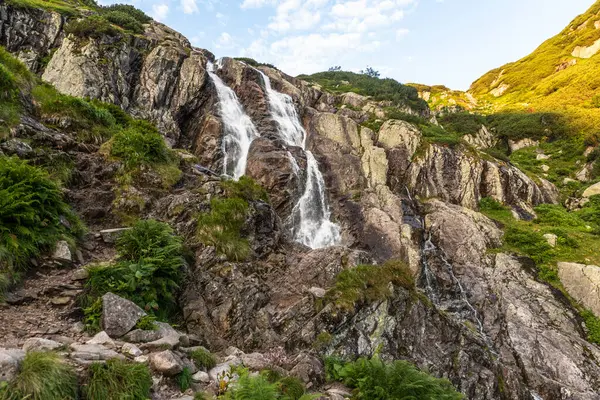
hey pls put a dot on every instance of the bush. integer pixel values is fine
(140, 145)
(437, 134)
(375, 380)
(557, 216)
(245, 188)
(368, 283)
(203, 359)
(117, 380)
(184, 379)
(222, 226)
(130, 10)
(530, 243)
(148, 271)
(517, 126)
(462, 123)
(33, 215)
(94, 27)
(43, 376)
(125, 21)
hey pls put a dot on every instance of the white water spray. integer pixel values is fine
(239, 131)
(310, 216)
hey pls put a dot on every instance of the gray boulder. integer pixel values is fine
(166, 363)
(9, 363)
(119, 315)
(40, 344)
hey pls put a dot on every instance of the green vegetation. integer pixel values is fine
(42, 376)
(441, 98)
(520, 125)
(111, 20)
(148, 271)
(33, 216)
(552, 80)
(146, 323)
(117, 380)
(265, 386)
(14, 78)
(379, 89)
(222, 226)
(203, 359)
(372, 379)
(368, 283)
(577, 240)
(462, 123)
(65, 7)
(184, 379)
(253, 63)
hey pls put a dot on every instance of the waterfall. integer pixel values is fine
(239, 131)
(310, 218)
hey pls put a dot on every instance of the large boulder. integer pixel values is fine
(119, 315)
(166, 363)
(582, 282)
(10, 359)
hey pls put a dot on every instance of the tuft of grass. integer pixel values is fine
(368, 283)
(184, 379)
(245, 188)
(291, 388)
(43, 376)
(203, 359)
(136, 147)
(372, 379)
(222, 226)
(117, 380)
(593, 325)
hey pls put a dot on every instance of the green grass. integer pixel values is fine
(379, 89)
(368, 284)
(14, 78)
(42, 376)
(117, 380)
(372, 379)
(203, 359)
(32, 211)
(148, 271)
(65, 7)
(184, 379)
(442, 98)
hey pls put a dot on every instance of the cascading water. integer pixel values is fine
(239, 131)
(310, 218)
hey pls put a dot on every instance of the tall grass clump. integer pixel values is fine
(42, 376)
(117, 380)
(203, 359)
(372, 379)
(33, 215)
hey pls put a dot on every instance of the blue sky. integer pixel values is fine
(450, 42)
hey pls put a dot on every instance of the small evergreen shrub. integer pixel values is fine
(437, 134)
(130, 10)
(94, 27)
(140, 145)
(125, 21)
(462, 123)
(43, 376)
(222, 226)
(117, 380)
(368, 283)
(33, 214)
(203, 359)
(375, 380)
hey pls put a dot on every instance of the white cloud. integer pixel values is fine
(256, 3)
(400, 33)
(197, 39)
(160, 11)
(225, 41)
(189, 6)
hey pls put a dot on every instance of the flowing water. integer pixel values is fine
(238, 129)
(310, 218)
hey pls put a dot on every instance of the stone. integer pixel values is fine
(592, 190)
(551, 239)
(40, 344)
(542, 157)
(10, 360)
(308, 368)
(119, 315)
(583, 283)
(111, 235)
(93, 352)
(255, 361)
(80, 275)
(521, 144)
(168, 338)
(103, 339)
(221, 371)
(545, 167)
(62, 253)
(319, 293)
(166, 363)
(566, 181)
(131, 349)
(201, 377)
(60, 300)
(141, 359)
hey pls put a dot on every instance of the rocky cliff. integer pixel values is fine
(482, 319)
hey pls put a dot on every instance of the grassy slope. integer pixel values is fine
(537, 82)
(441, 97)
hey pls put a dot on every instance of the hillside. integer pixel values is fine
(560, 76)
(176, 227)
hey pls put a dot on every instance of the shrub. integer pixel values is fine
(222, 226)
(117, 380)
(148, 271)
(33, 215)
(375, 380)
(528, 242)
(43, 376)
(557, 216)
(437, 134)
(203, 358)
(245, 188)
(527, 125)
(462, 123)
(130, 10)
(592, 324)
(368, 283)
(94, 27)
(291, 388)
(125, 21)
(394, 113)
(252, 388)
(140, 145)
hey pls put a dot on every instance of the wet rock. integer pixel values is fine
(119, 315)
(166, 363)
(40, 344)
